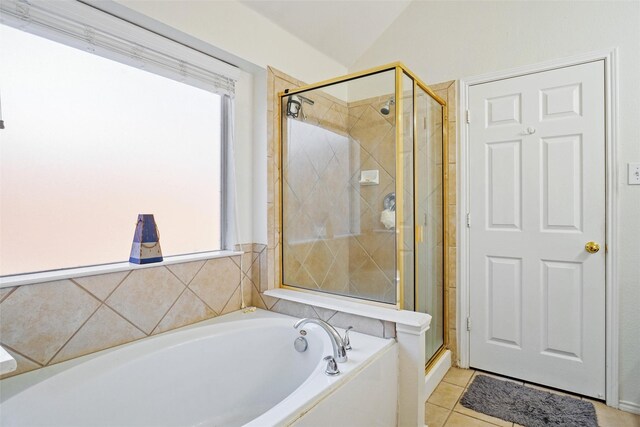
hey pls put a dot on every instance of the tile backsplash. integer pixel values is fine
(47, 323)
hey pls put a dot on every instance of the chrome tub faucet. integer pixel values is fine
(339, 348)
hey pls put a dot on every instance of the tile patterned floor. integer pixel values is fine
(443, 409)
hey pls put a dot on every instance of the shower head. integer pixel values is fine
(294, 106)
(386, 108)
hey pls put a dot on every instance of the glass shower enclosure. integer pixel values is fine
(362, 190)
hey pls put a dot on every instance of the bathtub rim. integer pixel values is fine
(12, 386)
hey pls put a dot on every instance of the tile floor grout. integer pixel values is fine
(607, 417)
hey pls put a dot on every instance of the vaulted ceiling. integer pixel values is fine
(342, 29)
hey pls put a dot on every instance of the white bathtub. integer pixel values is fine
(238, 369)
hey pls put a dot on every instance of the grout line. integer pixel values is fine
(118, 285)
(83, 289)
(76, 331)
(259, 296)
(196, 274)
(175, 275)
(9, 293)
(110, 293)
(21, 354)
(168, 310)
(125, 319)
(203, 301)
(237, 288)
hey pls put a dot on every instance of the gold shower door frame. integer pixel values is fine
(400, 71)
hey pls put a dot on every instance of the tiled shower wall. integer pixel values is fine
(316, 200)
(447, 91)
(47, 323)
(379, 155)
(372, 258)
(334, 240)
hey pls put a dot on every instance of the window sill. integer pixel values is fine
(70, 273)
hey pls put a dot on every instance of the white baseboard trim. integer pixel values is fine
(634, 408)
(436, 374)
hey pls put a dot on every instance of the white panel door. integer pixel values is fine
(537, 196)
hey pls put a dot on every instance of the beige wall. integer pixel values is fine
(47, 323)
(468, 38)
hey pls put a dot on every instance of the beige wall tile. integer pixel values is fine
(188, 309)
(247, 285)
(453, 346)
(186, 271)
(5, 292)
(256, 299)
(294, 309)
(269, 302)
(62, 319)
(37, 320)
(323, 313)
(361, 324)
(451, 271)
(452, 103)
(452, 147)
(234, 302)
(452, 226)
(264, 281)
(101, 285)
(451, 308)
(364, 123)
(104, 329)
(318, 262)
(145, 296)
(451, 187)
(216, 282)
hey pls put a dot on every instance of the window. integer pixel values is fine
(89, 144)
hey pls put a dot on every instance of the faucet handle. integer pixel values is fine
(332, 366)
(347, 342)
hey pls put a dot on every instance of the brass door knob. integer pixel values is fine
(592, 247)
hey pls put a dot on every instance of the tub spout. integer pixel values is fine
(339, 351)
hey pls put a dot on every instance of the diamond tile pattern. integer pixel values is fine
(145, 296)
(37, 320)
(48, 323)
(216, 282)
(187, 309)
(331, 222)
(351, 155)
(102, 285)
(104, 329)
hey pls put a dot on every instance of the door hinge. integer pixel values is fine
(468, 323)
(468, 116)
(468, 220)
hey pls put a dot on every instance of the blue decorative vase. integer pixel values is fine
(146, 241)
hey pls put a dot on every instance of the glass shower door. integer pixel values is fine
(429, 218)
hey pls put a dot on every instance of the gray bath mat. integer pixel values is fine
(527, 406)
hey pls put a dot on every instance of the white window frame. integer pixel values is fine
(59, 21)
